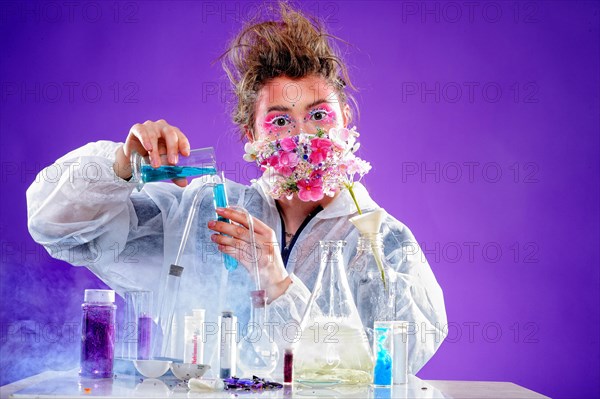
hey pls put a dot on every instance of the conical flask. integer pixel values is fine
(258, 353)
(333, 346)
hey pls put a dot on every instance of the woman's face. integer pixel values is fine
(287, 107)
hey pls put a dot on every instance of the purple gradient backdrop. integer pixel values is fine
(502, 155)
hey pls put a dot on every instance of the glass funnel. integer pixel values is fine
(333, 346)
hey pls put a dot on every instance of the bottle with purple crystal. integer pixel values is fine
(98, 334)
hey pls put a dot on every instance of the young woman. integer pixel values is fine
(288, 80)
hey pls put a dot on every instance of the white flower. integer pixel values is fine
(250, 152)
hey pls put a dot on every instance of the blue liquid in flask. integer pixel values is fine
(220, 197)
(166, 172)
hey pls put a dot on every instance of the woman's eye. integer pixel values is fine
(319, 115)
(280, 121)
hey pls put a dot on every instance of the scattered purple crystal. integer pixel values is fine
(253, 384)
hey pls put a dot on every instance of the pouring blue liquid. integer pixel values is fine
(168, 172)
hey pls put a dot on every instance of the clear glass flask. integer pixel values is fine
(200, 162)
(258, 353)
(98, 334)
(373, 282)
(333, 346)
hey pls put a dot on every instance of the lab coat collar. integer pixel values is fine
(342, 205)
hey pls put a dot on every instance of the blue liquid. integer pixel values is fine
(166, 172)
(383, 366)
(220, 198)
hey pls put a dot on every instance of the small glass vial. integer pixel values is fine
(98, 334)
(383, 348)
(288, 366)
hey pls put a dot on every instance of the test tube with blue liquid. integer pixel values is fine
(220, 200)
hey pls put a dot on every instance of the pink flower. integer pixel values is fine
(287, 161)
(310, 190)
(287, 144)
(321, 148)
(272, 161)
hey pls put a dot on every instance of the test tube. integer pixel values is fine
(228, 344)
(400, 329)
(220, 201)
(199, 317)
(167, 308)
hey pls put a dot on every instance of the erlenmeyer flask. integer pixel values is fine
(333, 346)
(258, 353)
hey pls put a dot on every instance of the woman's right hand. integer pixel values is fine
(154, 139)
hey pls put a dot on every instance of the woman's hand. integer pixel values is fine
(273, 277)
(155, 139)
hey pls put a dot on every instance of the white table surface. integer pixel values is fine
(67, 384)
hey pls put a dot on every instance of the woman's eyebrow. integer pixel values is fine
(283, 108)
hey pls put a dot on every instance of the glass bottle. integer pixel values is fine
(333, 346)
(373, 282)
(98, 334)
(258, 353)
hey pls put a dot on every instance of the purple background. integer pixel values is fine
(481, 121)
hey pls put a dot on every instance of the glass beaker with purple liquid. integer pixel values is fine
(138, 318)
(98, 334)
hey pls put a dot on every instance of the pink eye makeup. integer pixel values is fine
(322, 114)
(277, 121)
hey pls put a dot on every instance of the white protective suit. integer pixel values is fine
(88, 216)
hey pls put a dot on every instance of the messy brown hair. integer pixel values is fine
(296, 46)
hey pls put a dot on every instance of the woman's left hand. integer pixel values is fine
(236, 242)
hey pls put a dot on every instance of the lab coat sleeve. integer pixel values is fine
(419, 297)
(82, 213)
(286, 313)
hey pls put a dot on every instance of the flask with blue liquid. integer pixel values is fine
(200, 162)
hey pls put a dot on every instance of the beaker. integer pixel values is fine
(400, 330)
(383, 349)
(331, 326)
(137, 342)
(200, 162)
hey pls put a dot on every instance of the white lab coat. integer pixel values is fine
(89, 217)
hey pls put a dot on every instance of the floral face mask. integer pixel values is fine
(312, 165)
